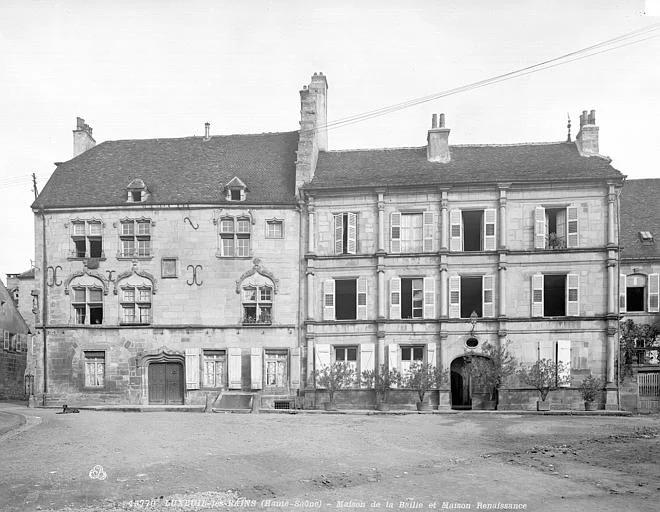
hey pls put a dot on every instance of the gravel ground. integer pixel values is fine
(101, 460)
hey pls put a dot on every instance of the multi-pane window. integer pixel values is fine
(215, 362)
(472, 230)
(257, 304)
(87, 305)
(410, 355)
(274, 229)
(347, 355)
(276, 364)
(135, 239)
(94, 369)
(555, 295)
(235, 236)
(471, 295)
(135, 305)
(639, 293)
(412, 298)
(345, 230)
(556, 228)
(411, 232)
(87, 238)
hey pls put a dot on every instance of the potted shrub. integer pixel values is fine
(545, 375)
(589, 389)
(492, 370)
(381, 381)
(333, 378)
(423, 377)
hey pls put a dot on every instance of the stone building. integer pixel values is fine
(639, 285)
(423, 254)
(170, 270)
(15, 339)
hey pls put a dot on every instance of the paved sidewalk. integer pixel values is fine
(16, 417)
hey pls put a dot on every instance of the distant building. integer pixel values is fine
(14, 336)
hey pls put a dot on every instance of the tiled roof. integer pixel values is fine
(177, 171)
(640, 211)
(469, 164)
(28, 274)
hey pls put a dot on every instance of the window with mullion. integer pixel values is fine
(257, 304)
(235, 237)
(135, 238)
(409, 356)
(87, 304)
(136, 305)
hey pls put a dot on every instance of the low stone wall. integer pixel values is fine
(12, 372)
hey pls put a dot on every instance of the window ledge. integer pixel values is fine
(92, 389)
(135, 258)
(82, 258)
(133, 324)
(218, 255)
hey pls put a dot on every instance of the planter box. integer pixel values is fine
(543, 405)
(591, 406)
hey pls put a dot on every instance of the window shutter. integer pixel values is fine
(367, 361)
(622, 293)
(537, 295)
(490, 229)
(564, 356)
(429, 297)
(234, 367)
(242, 194)
(572, 237)
(654, 292)
(339, 233)
(487, 306)
(454, 296)
(428, 232)
(294, 368)
(393, 358)
(329, 299)
(431, 350)
(6, 340)
(572, 295)
(395, 298)
(256, 367)
(192, 368)
(455, 231)
(539, 227)
(352, 233)
(19, 339)
(322, 352)
(395, 232)
(547, 350)
(362, 298)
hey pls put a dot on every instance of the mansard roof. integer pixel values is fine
(190, 170)
(640, 211)
(469, 164)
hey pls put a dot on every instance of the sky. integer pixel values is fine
(143, 69)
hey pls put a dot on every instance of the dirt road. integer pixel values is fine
(328, 462)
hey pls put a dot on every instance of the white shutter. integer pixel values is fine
(429, 297)
(339, 233)
(487, 293)
(654, 292)
(322, 354)
(395, 232)
(572, 295)
(362, 298)
(367, 361)
(256, 367)
(428, 231)
(395, 298)
(490, 229)
(6, 340)
(431, 350)
(547, 350)
(572, 229)
(351, 238)
(294, 368)
(192, 368)
(537, 295)
(393, 358)
(455, 231)
(564, 356)
(329, 299)
(622, 293)
(234, 368)
(539, 227)
(454, 296)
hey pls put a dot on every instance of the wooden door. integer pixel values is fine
(165, 383)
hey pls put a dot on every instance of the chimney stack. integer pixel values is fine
(82, 137)
(207, 131)
(587, 139)
(437, 149)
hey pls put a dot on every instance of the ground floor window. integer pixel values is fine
(410, 355)
(276, 368)
(214, 368)
(95, 369)
(347, 355)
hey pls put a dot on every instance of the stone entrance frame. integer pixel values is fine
(160, 355)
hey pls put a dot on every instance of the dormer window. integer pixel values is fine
(235, 190)
(646, 237)
(137, 191)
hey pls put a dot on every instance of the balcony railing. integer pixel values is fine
(554, 241)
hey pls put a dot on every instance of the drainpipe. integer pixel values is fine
(618, 295)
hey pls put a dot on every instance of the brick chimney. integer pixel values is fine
(437, 148)
(313, 135)
(82, 137)
(587, 139)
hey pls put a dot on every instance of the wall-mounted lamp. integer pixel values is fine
(473, 320)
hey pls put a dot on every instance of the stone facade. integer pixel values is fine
(15, 338)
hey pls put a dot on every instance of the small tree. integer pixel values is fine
(423, 377)
(492, 370)
(590, 388)
(633, 337)
(381, 381)
(544, 376)
(334, 377)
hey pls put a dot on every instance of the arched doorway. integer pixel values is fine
(163, 377)
(460, 383)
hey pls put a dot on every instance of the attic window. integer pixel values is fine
(137, 191)
(646, 237)
(235, 190)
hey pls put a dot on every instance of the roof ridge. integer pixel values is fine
(193, 137)
(513, 144)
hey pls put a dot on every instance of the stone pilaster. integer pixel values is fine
(381, 222)
(444, 219)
